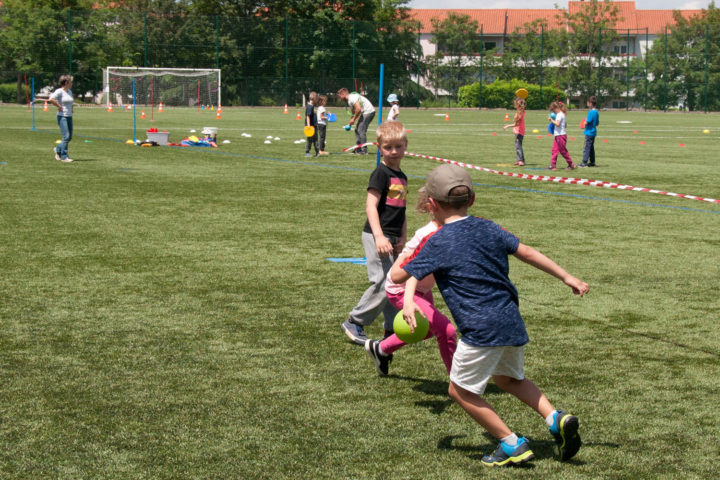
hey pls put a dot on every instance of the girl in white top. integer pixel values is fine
(440, 326)
(322, 123)
(560, 139)
(62, 98)
(394, 109)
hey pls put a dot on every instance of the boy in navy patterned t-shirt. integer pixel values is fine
(469, 258)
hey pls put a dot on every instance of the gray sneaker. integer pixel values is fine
(354, 332)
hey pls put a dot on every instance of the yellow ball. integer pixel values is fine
(536, 131)
(706, 131)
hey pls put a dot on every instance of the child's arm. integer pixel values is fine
(516, 122)
(384, 247)
(409, 307)
(532, 257)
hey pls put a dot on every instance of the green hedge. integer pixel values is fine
(8, 92)
(501, 94)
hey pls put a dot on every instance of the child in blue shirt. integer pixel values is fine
(591, 123)
(469, 258)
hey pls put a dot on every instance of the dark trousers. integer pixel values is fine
(589, 151)
(312, 142)
(361, 130)
(322, 130)
(518, 148)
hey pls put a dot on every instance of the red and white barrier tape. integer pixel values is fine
(355, 147)
(565, 180)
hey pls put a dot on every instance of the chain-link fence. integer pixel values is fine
(277, 61)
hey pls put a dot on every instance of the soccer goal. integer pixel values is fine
(173, 87)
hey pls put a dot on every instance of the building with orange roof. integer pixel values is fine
(637, 29)
(498, 24)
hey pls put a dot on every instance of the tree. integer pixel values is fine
(679, 78)
(457, 41)
(590, 32)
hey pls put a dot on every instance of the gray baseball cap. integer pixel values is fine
(441, 180)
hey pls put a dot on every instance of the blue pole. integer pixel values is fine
(32, 82)
(380, 103)
(134, 121)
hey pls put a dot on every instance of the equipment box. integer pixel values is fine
(161, 138)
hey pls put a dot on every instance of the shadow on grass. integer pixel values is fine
(438, 388)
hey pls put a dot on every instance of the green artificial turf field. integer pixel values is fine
(171, 313)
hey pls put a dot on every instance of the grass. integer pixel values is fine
(170, 313)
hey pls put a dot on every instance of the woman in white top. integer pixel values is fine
(62, 98)
(560, 140)
(394, 109)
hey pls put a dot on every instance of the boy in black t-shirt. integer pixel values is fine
(385, 231)
(311, 121)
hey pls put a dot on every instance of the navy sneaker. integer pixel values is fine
(382, 362)
(354, 332)
(507, 455)
(565, 432)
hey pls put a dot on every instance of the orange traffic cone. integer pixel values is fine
(160, 107)
(218, 115)
(142, 114)
(285, 111)
(219, 108)
(447, 117)
(109, 107)
(298, 117)
(45, 109)
(507, 117)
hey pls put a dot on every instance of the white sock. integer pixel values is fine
(550, 419)
(380, 350)
(510, 440)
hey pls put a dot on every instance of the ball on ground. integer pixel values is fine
(402, 329)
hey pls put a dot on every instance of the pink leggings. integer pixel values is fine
(440, 327)
(560, 148)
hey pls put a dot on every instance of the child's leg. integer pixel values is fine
(393, 343)
(480, 411)
(586, 149)
(519, 149)
(555, 152)
(527, 392)
(592, 151)
(322, 132)
(373, 300)
(440, 327)
(562, 148)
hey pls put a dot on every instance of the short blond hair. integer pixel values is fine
(388, 131)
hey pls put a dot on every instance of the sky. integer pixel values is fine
(639, 4)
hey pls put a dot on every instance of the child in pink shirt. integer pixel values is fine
(440, 327)
(519, 130)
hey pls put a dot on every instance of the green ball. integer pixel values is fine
(347, 128)
(402, 329)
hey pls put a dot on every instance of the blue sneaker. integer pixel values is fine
(565, 432)
(507, 455)
(354, 332)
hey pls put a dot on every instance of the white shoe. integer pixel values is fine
(57, 156)
(66, 160)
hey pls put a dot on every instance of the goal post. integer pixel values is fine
(176, 87)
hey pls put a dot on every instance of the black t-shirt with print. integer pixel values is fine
(392, 185)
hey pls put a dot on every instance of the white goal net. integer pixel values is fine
(177, 87)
